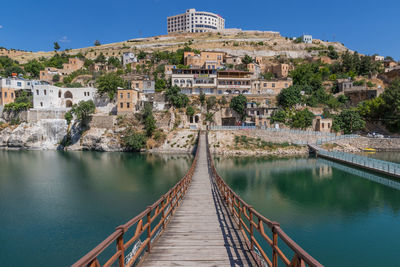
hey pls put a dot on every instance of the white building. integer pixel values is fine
(195, 21)
(129, 57)
(307, 39)
(195, 81)
(53, 97)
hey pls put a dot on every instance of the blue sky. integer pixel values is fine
(367, 26)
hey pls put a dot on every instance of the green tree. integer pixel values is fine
(160, 85)
(83, 110)
(34, 67)
(141, 55)
(190, 111)
(238, 104)
(97, 43)
(56, 46)
(290, 96)
(307, 76)
(68, 116)
(100, 59)
(247, 59)
(56, 78)
(202, 98)
(280, 116)
(268, 76)
(348, 121)
(302, 119)
(88, 63)
(108, 84)
(209, 117)
(149, 121)
(113, 61)
(332, 54)
(176, 98)
(13, 69)
(134, 141)
(391, 106)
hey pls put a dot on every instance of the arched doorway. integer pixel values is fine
(68, 94)
(59, 94)
(68, 104)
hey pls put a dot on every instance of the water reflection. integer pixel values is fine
(55, 206)
(329, 208)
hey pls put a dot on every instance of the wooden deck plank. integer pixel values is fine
(201, 233)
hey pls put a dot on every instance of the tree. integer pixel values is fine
(100, 59)
(202, 98)
(290, 96)
(190, 111)
(13, 69)
(97, 43)
(160, 85)
(56, 78)
(176, 98)
(88, 63)
(332, 54)
(302, 119)
(307, 76)
(134, 141)
(391, 98)
(280, 116)
(211, 101)
(268, 76)
(108, 84)
(83, 110)
(238, 104)
(348, 121)
(247, 59)
(56, 46)
(68, 116)
(141, 55)
(34, 67)
(149, 121)
(113, 61)
(209, 117)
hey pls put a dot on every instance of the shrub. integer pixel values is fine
(134, 141)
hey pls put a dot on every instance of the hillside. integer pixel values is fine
(254, 43)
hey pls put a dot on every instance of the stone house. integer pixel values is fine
(206, 59)
(322, 125)
(269, 87)
(127, 101)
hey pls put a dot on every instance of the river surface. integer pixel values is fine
(388, 156)
(341, 215)
(56, 206)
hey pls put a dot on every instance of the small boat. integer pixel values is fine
(369, 149)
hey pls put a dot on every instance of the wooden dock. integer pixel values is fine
(201, 232)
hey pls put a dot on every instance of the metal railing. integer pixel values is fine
(339, 137)
(151, 223)
(235, 128)
(250, 221)
(387, 167)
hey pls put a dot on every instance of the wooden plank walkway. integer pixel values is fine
(201, 233)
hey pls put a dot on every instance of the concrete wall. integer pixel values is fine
(35, 115)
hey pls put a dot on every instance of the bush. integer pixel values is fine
(190, 111)
(176, 98)
(290, 96)
(302, 119)
(134, 141)
(238, 104)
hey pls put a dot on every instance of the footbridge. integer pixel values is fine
(200, 221)
(371, 164)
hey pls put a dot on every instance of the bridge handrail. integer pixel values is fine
(240, 210)
(164, 206)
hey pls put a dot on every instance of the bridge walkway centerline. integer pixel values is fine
(201, 233)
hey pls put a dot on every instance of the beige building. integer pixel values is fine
(7, 96)
(73, 64)
(234, 82)
(195, 81)
(127, 101)
(323, 125)
(233, 60)
(273, 87)
(207, 60)
(143, 86)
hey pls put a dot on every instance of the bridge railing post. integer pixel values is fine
(120, 247)
(240, 215)
(251, 228)
(149, 230)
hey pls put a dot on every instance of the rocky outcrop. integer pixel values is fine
(45, 134)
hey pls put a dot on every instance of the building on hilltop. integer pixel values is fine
(195, 21)
(74, 64)
(128, 58)
(306, 38)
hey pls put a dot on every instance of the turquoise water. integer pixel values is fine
(56, 206)
(342, 216)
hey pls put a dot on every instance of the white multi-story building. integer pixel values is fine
(306, 38)
(195, 21)
(129, 57)
(53, 97)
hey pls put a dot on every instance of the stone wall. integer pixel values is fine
(35, 115)
(380, 144)
(102, 121)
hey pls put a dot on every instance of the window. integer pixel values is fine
(129, 95)
(45, 92)
(19, 84)
(121, 105)
(273, 85)
(265, 84)
(37, 92)
(323, 125)
(121, 95)
(12, 95)
(5, 94)
(127, 105)
(8, 82)
(41, 104)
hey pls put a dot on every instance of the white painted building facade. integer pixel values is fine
(128, 58)
(195, 21)
(53, 97)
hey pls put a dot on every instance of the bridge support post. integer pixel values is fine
(251, 228)
(120, 247)
(149, 230)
